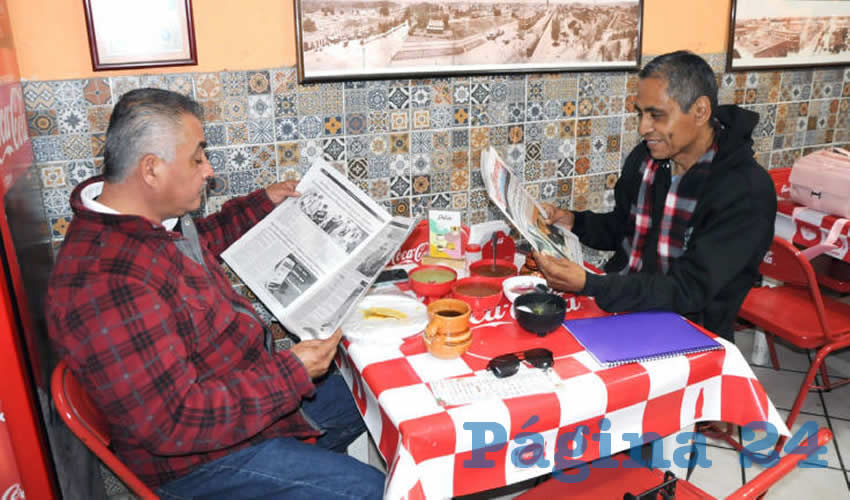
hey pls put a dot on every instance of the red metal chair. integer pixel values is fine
(87, 422)
(638, 483)
(797, 312)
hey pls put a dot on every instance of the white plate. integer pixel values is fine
(386, 330)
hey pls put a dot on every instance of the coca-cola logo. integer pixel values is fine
(15, 492)
(13, 122)
(410, 256)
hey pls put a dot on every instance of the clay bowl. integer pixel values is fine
(479, 292)
(432, 280)
(540, 313)
(484, 268)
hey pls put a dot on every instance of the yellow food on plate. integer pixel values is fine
(382, 313)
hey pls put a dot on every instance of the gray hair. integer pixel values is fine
(688, 77)
(145, 121)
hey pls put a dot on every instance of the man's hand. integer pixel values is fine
(555, 215)
(282, 190)
(561, 274)
(316, 355)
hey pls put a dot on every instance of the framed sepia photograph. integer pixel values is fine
(126, 34)
(351, 39)
(788, 33)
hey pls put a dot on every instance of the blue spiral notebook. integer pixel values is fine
(641, 336)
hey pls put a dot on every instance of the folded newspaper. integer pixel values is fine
(314, 256)
(524, 212)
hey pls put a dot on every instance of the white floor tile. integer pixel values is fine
(790, 357)
(782, 387)
(744, 343)
(830, 456)
(841, 439)
(837, 402)
(723, 476)
(819, 483)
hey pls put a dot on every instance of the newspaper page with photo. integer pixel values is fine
(314, 256)
(524, 212)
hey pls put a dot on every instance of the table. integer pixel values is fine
(425, 444)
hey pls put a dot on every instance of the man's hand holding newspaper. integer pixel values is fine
(543, 226)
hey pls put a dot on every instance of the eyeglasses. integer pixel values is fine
(508, 364)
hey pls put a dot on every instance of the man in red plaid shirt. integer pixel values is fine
(693, 213)
(198, 403)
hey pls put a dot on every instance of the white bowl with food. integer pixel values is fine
(520, 285)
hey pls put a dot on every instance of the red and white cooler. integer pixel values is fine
(10, 479)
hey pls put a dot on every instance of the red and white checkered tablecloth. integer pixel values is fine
(425, 444)
(809, 227)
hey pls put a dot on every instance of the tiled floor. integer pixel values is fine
(726, 474)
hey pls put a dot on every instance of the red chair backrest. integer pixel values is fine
(785, 263)
(87, 422)
(781, 181)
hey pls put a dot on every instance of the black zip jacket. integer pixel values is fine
(732, 228)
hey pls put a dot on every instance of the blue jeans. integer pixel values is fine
(289, 468)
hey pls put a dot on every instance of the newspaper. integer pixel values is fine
(314, 256)
(524, 212)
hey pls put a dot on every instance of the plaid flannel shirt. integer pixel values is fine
(181, 375)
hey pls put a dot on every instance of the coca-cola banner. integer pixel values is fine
(15, 145)
(10, 480)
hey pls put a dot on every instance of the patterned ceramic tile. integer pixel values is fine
(42, 122)
(211, 110)
(47, 148)
(284, 80)
(796, 85)
(233, 83)
(261, 131)
(216, 134)
(56, 201)
(73, 119)
(767, 120)
(208, 85)
(234, 109)
(68, 93)
(320, 99)
(98, 143)
(288, 154)
(154, 81)
(123, 84)
(237, 133)
(98, 117)
(52, 176)
(182, 84)
(258, 82)
(38, 95)
(78, 171)
(97, 91)
(260, 107)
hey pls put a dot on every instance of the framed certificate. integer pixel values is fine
(127, 34)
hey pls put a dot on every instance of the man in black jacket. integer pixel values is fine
(693, 212)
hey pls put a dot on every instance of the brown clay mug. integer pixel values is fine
(447, 335)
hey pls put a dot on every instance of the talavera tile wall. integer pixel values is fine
(415, 144)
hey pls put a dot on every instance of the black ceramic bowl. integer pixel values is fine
(540, 313)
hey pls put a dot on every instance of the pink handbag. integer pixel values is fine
(821, 180)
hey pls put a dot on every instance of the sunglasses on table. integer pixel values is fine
(508, 364)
